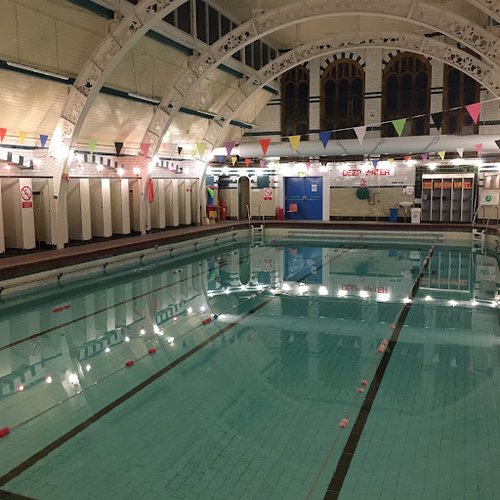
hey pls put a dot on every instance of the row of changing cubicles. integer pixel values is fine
(96, 208)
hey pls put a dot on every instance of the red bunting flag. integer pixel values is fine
(407, 159)
(264, 143)
(247, 161)
(3, 131)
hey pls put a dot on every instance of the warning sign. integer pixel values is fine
(268, 194)
(26, 197)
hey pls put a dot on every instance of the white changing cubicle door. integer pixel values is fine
(172, 202)
(158, 205)
(100, 206)
(195, 208)
(184, 202)
(2, 234)
(120, 208)
(79, 217)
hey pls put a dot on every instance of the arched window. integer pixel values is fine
(342, 98)
(459, 91)
(406, 92)
(295, 102)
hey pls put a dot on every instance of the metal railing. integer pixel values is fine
(476, 216)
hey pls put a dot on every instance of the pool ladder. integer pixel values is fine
(257, 233)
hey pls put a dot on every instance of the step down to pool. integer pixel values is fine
(478, 240)
(257, 235)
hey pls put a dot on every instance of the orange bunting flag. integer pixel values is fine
(294, 141)
(264, 143)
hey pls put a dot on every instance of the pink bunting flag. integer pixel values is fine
(474, 110)
(229, 147)
(262, 163)
(479, 148)
(308, 165)
(424, 156)
(145, 148)
(164, 145)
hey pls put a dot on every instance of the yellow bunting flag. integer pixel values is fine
(390, 160)
(294, 141)
(234, 159)
(442, 154)
(201, 146)
(22, 136)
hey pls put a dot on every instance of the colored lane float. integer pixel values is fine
(58, 309)
(151, 351)
(4, 432)
(130, 363)
(177, 271)
(344, 423)
(206, 321)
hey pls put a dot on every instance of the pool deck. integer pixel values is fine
(49, 259)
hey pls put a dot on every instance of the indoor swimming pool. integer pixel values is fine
(299, 369)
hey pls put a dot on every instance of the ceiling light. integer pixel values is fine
(452, 303)
(144, 98)
(120, 171)
(137, 170)
(99, 167)
(342, 293)
(407, 300)
(286, 287)
(432, 166)
(363, 294)
(322, 290)
(474, 302)
(36, 70)
(428, 298)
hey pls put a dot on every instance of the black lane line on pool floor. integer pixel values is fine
(345, 459)
(22, 467)
(7, 495)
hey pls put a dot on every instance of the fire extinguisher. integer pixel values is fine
(222, 209)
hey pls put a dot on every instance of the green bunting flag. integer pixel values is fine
(399, 125)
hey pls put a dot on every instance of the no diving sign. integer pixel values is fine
(268, 194)
(26, 197)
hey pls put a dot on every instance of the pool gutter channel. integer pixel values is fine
(350, 447)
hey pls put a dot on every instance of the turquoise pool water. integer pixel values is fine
(248, 405)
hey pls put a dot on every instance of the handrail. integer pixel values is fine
(248, 213)
(263, 219)
(484, 213)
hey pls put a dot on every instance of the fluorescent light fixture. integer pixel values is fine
(36, 70)
(432, 166)
(322, 290)
(452, 303)
(457, 161)
(144, 98)
(251, 125)
(342, 293)
(363, 294)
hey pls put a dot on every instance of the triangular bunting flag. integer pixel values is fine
(92, 145)
(262, 163)
(164, 145)
(474, 110)
(479, 148)
(438, 119)
(308, 165)
(3, 131)
(375, 163)
(43, 140)
(264, 144)
(407, 159)
(291, 338)
(221, 157)
(145, 148)
(229, 147)
(201, 147)
(340, 343)
(390, 161)
(22, 136)
(179, 150)
(294, 141)
(399, 125)
(193, 153)
(460, 152)
(325, 137)
(234, 159)
(453, 363)
(442, 154)
(360, 133)
(247, 161)
(435, 359)
(118, 147)
(424, 156)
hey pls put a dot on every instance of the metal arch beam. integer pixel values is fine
(489, 7)
(459, 59)
(112, 49)
(457, 27)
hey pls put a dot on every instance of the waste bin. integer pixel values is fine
(394, 214)
(416, 215)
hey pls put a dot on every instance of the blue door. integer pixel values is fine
(314, 198)
(294, 195)
(305, 193)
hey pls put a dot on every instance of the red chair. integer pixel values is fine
(292, 208)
